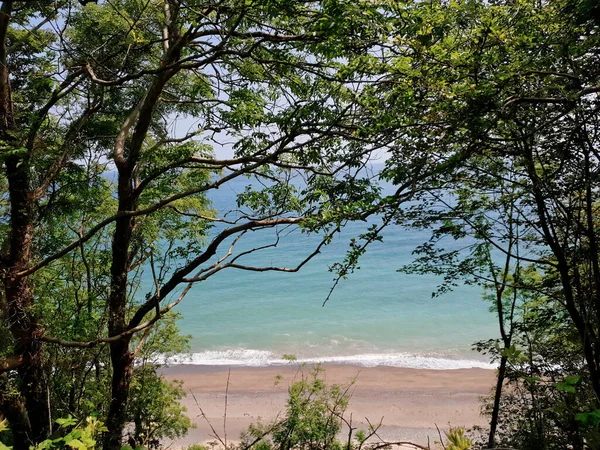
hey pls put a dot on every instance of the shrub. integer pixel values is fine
(456, 439)
(71, 434)
(313, 417)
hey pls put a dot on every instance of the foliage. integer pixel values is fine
(487, 111)
(547, 384)
(4, 428)
(456, 439)
(500, 99)
(154, 409)
(196, 447)
(116, 120)
(70, 434)
(313, 417)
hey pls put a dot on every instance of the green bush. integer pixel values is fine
(456, 439)
(154, 409)
(71, 434)
(196, 447)
(313, 418)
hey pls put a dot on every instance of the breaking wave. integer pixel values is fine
(263, 358)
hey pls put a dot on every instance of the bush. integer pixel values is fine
(313, 418)
(456, 439)
(196, 447)
(154, 409)
(71, 434)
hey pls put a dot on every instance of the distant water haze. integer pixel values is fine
(376, 317)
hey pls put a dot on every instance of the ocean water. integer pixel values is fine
(377, 316)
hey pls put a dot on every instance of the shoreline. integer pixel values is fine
(409, 402)
(243, 357)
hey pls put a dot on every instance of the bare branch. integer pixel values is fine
(225, 408)
(440, 435)
(215, 434)
(140, 212)
(143, 339)
(398, 443)
(234, 265)
(180, 275)
(119, 149)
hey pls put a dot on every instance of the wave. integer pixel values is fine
(263, 358)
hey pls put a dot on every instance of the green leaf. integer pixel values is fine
(572, 379)
(77, 444)
(564, 387)
(568, 384)
(590, 418)
(67, 422)
(48, 443)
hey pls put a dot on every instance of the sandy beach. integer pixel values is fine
(409, 402)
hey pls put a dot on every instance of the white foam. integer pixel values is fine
(262, 358)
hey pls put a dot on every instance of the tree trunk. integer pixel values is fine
(13, 408)
(496, 407)
(122, 363)
(126, 156)
(26, 412)
(19, 300)
(121, 357)
(586, 326)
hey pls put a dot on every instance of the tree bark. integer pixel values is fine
(19, 299)
(122, 364)
(131, 138)
(586, 326)
(13, 408)
(28, 412)
(121, 357)
(496, 407)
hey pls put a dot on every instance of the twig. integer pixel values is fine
(440, 434)
(399, 443)
(350, 430)
(275, 424)
(225, 409)
(370, 435)
(215, 434)
(374, 429)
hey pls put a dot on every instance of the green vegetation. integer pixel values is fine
(456, 440)
(70, 434)
(488, 112)
(106, 224)
(515, 138)
(313, 418)
(511, 123)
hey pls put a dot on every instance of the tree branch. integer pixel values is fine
(180, 275)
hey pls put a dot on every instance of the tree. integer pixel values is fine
(505, 94)
(100, 184)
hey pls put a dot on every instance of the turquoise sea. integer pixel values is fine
(377, 316)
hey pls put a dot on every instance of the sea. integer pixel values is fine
(378, 316)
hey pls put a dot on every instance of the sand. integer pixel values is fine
(409, 402)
